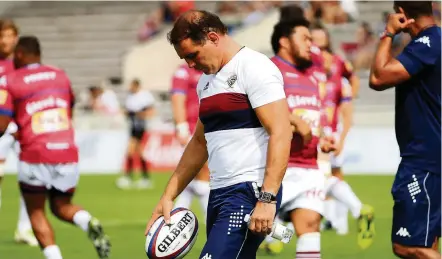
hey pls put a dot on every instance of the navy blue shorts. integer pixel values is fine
(228, 236)
(417, 207)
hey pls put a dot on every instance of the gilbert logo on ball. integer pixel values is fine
(175, 239)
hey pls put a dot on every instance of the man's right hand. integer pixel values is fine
(163, 208)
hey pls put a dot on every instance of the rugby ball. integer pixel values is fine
(174, 240)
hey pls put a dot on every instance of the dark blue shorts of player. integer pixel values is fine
(228, 236)
(417, 207)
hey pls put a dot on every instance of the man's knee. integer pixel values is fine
(306, 221)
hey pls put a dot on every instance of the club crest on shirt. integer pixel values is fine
(231, 80)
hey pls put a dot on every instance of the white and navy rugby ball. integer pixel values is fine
(174, 240)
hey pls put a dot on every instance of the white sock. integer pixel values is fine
(203, 196)
(308, 246)
(52, 252)
(23, 224)
(342, 192)
(81, 219)
(330, 210)
(184, 200)
(341, 221)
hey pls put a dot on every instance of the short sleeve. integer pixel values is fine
(264, 83)
(420, 53)
(346, 91)
(6, 99)
(180, 81)
(149, 100)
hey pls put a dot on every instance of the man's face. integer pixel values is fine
(204, 57)
(300, 44)
(320, 38)
(134, 87)
(8, 39)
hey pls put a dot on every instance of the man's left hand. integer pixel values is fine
(261, 220)
(397, 22)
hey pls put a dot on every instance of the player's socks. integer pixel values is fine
(342, 192)
(144, 169)
(82, 219)
(341, 221)
(52, 252)
(308, 246)
(329, 213)
(129, 166)
(203, 195)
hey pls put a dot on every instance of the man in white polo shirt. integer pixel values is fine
(243, 130)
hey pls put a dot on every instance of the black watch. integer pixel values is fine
(267, 197)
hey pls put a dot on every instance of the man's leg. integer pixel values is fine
(145, 182)
(35, 198)
(60, 201)
(307, 223)
(306, 216)
(230, 237)
(125, 181)
(416, 213)
(62, 207)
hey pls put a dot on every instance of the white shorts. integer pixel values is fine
(302, 188)
(6, 143)
(62, 177)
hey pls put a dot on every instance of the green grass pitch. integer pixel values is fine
(124, 215)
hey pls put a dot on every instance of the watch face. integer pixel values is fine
(266, 196)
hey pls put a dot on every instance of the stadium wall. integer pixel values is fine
(367, 151)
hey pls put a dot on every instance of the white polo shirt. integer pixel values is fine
(236, 141)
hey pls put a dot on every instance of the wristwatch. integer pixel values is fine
(267, 197)
(387, 34)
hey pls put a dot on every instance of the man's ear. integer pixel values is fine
(213, 37)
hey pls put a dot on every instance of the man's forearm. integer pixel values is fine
(347, 120)
(355, 85)
(277, 158)
(193, 159)
(178, 108)
(382, 57)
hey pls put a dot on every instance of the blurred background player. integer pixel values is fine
(49, 156)
(416, 76)
(8, 40)
(338, 110)
(185, 106)
(140, 105)
(303, 185)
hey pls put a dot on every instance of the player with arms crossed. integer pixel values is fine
(8, 39)
(243, 131)
(185, 106)
(337, 101)
(39, 99)
(416, 75)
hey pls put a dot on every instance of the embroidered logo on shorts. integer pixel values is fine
(403, 232)
(414, 188)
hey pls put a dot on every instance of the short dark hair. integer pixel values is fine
(194, 25)
(29, 45)
(416, 9)
(9, 25)
(290, 12)
(285, 29)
